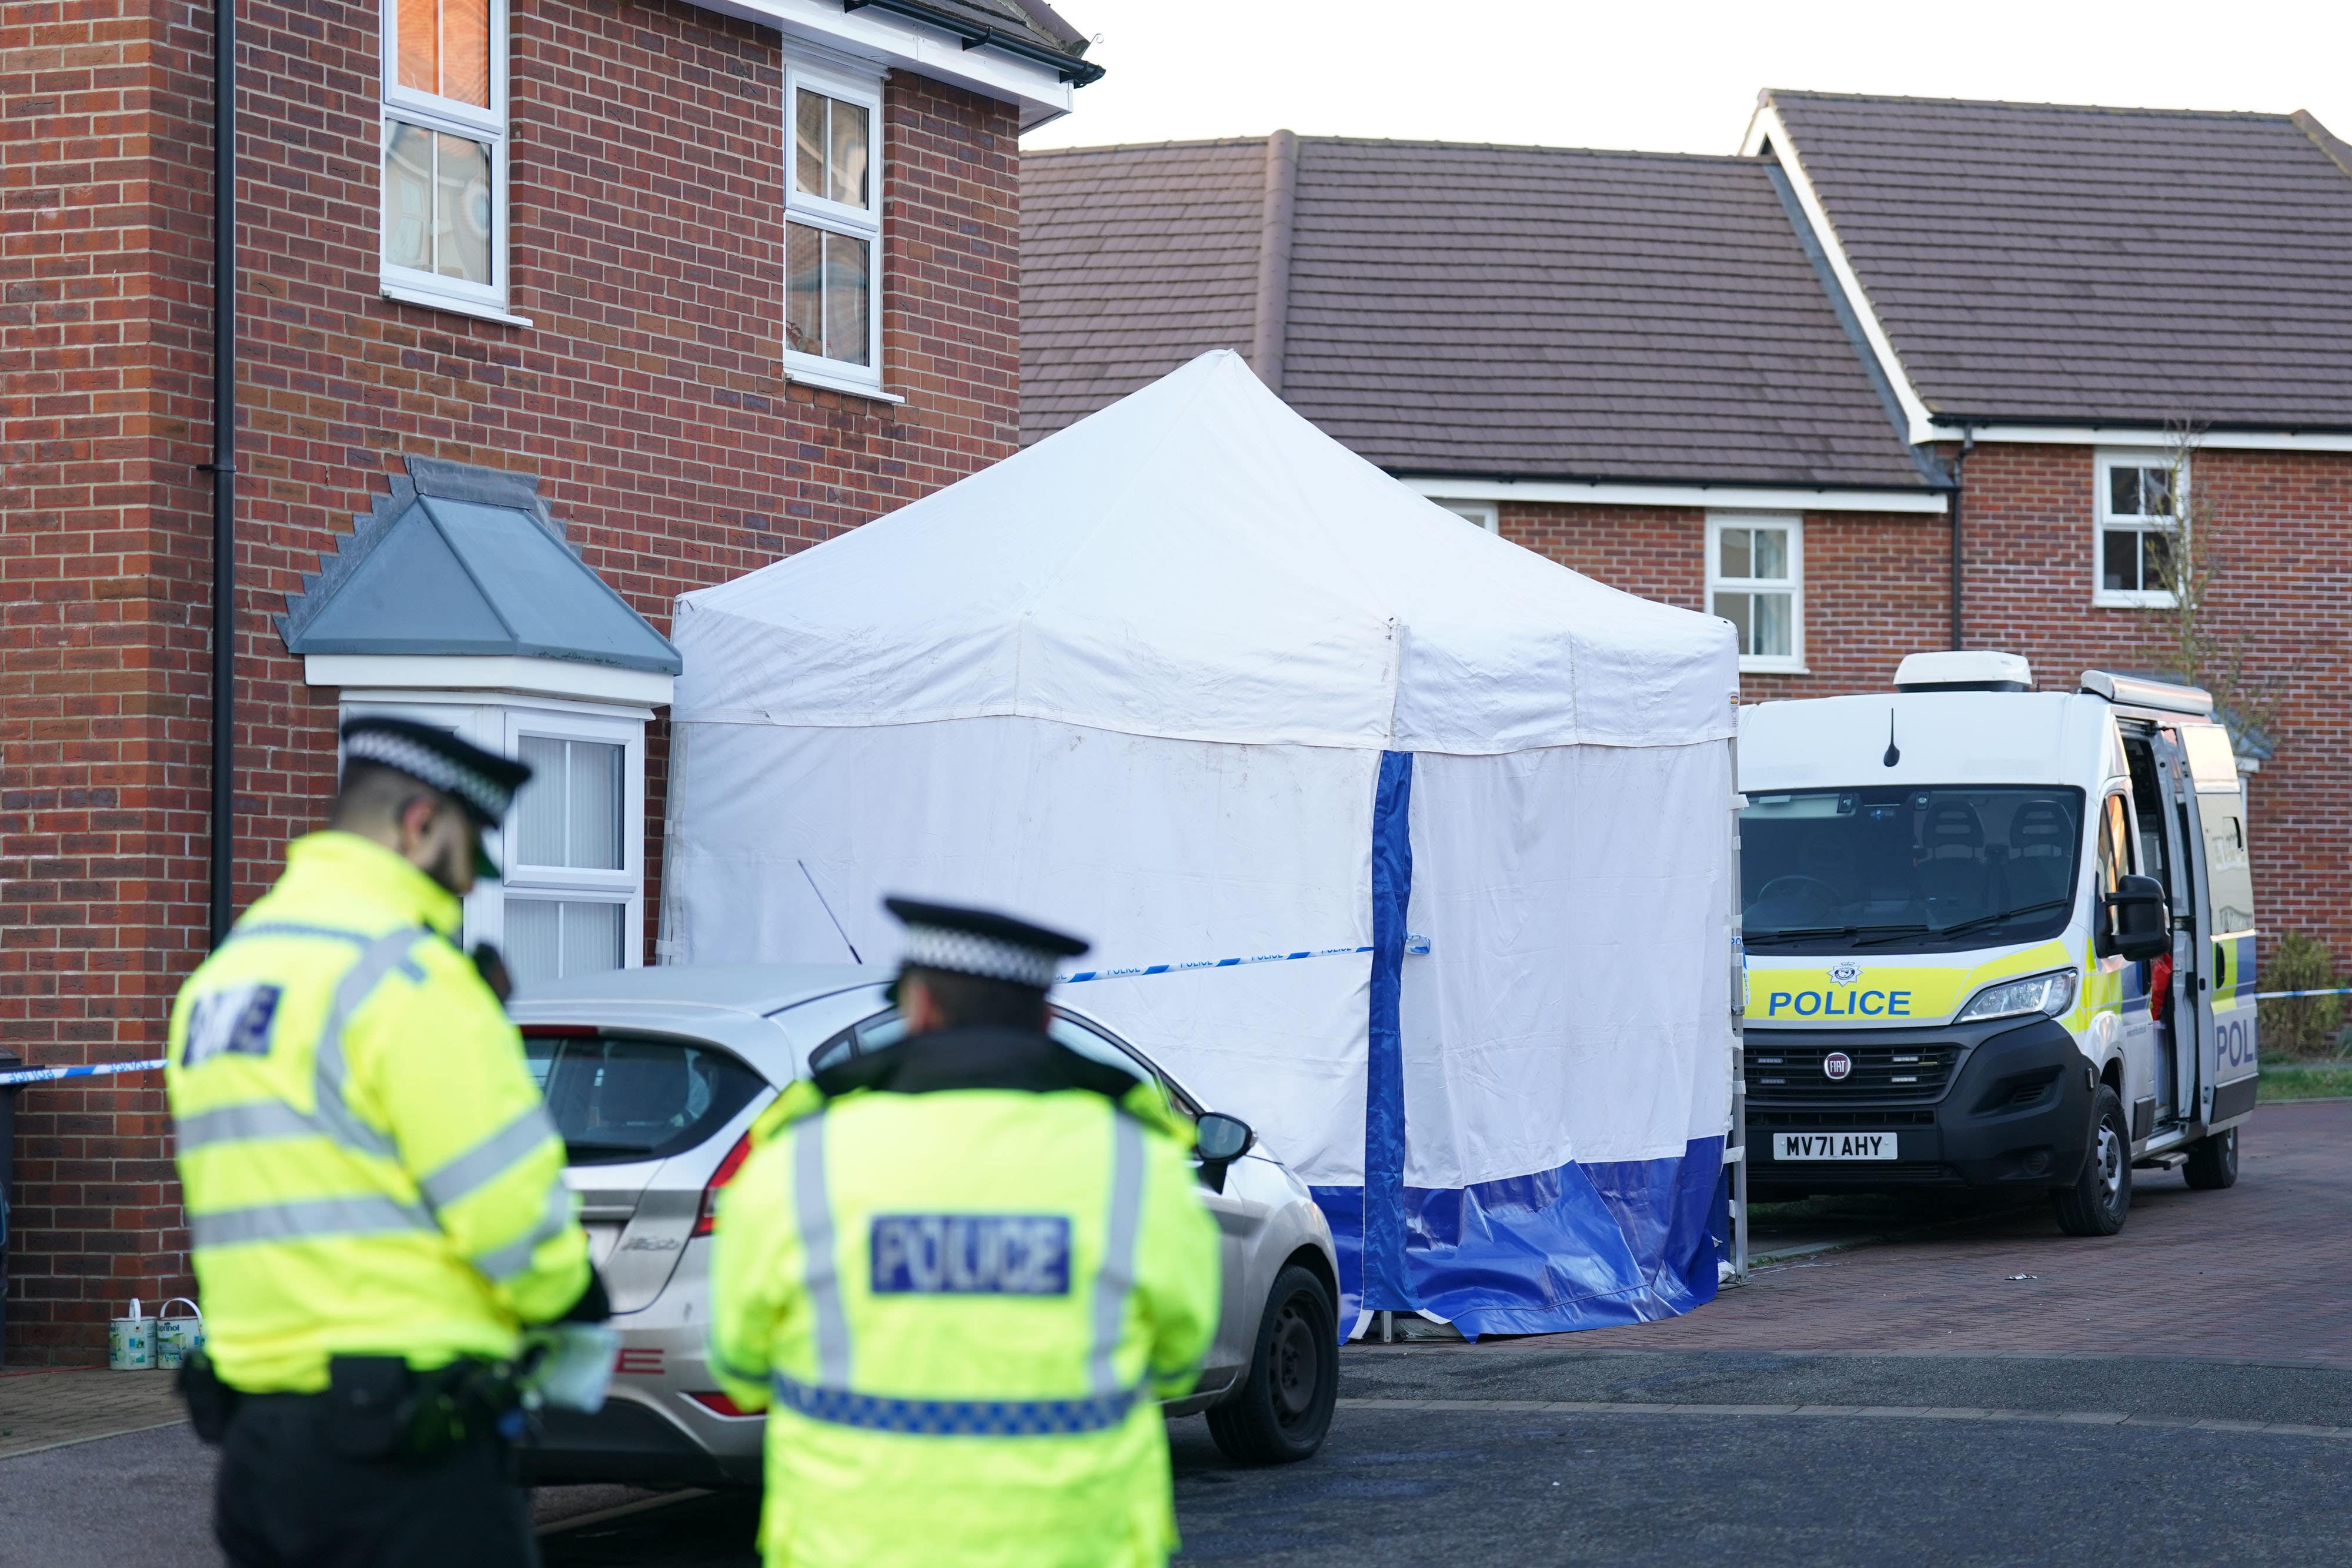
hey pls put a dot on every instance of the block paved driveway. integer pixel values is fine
(2262, 1272)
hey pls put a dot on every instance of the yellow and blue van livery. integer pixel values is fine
(2003, 935)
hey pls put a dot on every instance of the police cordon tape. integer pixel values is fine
(50, 1074)
(1412, 944)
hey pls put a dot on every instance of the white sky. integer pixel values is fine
(1670, 75)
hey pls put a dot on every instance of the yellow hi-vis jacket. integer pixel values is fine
(957, 1305)
(368, 1167)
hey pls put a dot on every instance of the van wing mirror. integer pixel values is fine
(2137, 925)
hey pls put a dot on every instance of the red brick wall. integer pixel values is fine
(646, 160)
(104, 225)
(1876, 584)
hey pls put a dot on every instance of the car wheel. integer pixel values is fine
(2100, 1199)
(1283, 1409)
(2213, 1162)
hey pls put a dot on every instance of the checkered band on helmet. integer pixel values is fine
(988, 958)
(486, 797)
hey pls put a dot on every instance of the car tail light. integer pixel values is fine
(718, 1403)
(705, 1222)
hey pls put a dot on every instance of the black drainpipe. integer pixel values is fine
(1968, 444)
(224, 464)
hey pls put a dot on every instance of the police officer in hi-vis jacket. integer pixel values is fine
(374, 1190)
(959, 1273)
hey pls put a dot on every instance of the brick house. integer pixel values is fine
(540, 301)
(1797, 384)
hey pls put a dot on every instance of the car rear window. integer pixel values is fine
(618, 1097)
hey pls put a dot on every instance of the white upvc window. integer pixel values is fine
(444, 154)
(571, 900)
(1486, 514)
(832, 228)
(2133, 542)
(1756, 580)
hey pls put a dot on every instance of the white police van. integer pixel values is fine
(1997, 937)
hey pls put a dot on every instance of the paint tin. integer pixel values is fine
(130, 1342)
(175, 1337)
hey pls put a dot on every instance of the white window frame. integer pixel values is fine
(862, 223)
(430, 111)
(496, 722)
(2103, 521)
(1793, 661)
(1486, 514)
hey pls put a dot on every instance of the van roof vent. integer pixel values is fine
(1967, 670)
(2141, 691)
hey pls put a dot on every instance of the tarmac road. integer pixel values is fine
(2090, 1459)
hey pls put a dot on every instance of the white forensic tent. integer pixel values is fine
(1192, 679)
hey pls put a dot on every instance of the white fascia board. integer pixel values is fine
(1719, 497)
(2146, 439)
(489, 673)
(1766, 127)
(900, 43)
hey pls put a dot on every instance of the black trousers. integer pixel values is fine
(286, 1498)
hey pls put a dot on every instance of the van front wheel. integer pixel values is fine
(2101, 1198)
(2213, 1162)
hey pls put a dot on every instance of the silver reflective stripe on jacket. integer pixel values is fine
(330, 1116)
(500, 1264)
(1124, 1219)
(820, 1267)
(831, 1399)
(310, 1219)
(488, 1160)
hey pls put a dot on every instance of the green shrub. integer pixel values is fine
(2301, 1026)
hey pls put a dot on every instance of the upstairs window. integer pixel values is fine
(444, 172)
(2135, 529)
(833, 230)
(1755, 581)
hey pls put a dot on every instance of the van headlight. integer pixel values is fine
(2049, 995)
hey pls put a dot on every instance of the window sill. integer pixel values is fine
(2106, 599)
(1758, 666)
(451, 303)
(847, 386)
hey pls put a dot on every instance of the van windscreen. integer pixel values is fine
(618, 1097)
(1907, 868)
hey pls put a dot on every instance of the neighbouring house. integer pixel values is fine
(1898, 375)
(549, 310)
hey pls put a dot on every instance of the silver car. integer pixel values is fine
(655, 1075)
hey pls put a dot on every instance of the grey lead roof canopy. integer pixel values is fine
(466, 560)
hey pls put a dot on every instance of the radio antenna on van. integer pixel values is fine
(829, 914)
(1890, 760)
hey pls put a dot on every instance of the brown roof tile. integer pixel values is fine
(1492, 312)
(2048, 262)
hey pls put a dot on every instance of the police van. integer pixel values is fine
(1995, 937)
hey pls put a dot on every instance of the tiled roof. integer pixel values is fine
(1494, 311)
(2045, 262)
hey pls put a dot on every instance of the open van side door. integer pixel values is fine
(2227, 1058)
(2192, 959)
